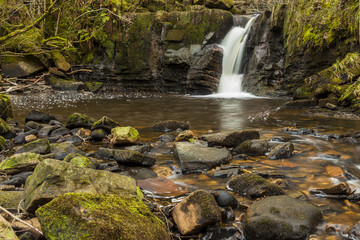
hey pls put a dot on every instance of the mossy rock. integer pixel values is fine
(105, 123)
(78, 120)
(40, 146)
(6, 231)
(11, 199)
(79, 160)
(125, 136)
(3, 145)
(93, 86)
(20, 162)
(99, 216)
(61, 150)
(60, 61)
(302, 93)
(65, 84)
(6, 109)
(253, 147)
(5, 130)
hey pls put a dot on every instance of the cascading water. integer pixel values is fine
(233, 47)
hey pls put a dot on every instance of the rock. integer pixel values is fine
(5, 130)
(196, 212)
(331, 106)
(195, 157)
(353, 232)
(302, 93)
(52, 178)
(225, 173)
(253, 186)
(185, 136)
(20, 66)
(169, 136)
(284, 150)
(230, 139)
(98, 134)
(6, 109)
(63, 85)
(280, 217)
(220, 4)
(46, 130)
(105, 123)
(30, 138)
(124, 136)
(93, 86)
(161, 186)
(60, 61)
(61, 150)
(339, 189)
(3, 145)
(79, 160)
(334, 171)
(303, 103)
(60, 131)
(20, 139)
(222, 233)
(10, 200)
(74, 139)
(40, 146)
(126, 157)
(141, 148)
(17, 180)
(20, 162)
(38, 117)
(170, 125)
(31, 125)
(225, 199)
(139, 173)
(253, 147)
(98, 216)
(78, 120)
(6, 232)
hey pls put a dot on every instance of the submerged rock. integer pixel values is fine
(196, 212)
(38, 117)
(99, 216)
(253, 147)
(170, 125)
(280, 217)
(78, 120)
(124, 136)
(230, 139)
(161, 186)
(254, 186)
(284, 150)
(20, 162)
(52, 178)
(195, 157)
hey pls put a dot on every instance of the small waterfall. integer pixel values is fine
(233, 47)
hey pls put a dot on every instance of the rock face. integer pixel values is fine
(20, 162)
(253, 186)
(195, 157)
(52, 178)
(99, 216)
(280, 217)
(230, 139)
(196, 212)
(124, 136)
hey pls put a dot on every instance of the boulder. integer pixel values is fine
(280, 217)
(254, 186)
(17, 180)
(195, 157)
(38, 117)
(52, 178)
(185, 136)
(79, 160)
(78, 120)
(126, 157)
(99, 216)
(6, 109)
(225, 199)
(93, 86)
(98, 134)
(5, 130)
(64, 85)
(253, 147)
(105, 123)
(196, 212)
(170, 125)
(3, 145)
(220, 4)
(230, 139)
(20, 66)
(61, 150)
(31, 125)
(40, 146)
(6, 232)
(20, 162)
(284, 150)
(30, 138)
(46, 130)
(169, 136)
(60, 61)
(161, 186)
(144, 148)
(124, 136)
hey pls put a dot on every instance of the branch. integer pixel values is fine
(27, 28)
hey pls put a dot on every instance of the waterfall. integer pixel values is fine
(233, 47)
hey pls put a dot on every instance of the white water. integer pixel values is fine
(233, 47)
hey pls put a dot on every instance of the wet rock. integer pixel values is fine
(59, 132)
(105, 123)
(334, 171)
(93, 86)
(253, 147)
(230, 139)
(98, 134)
(222, 233)
(302, 93)
(79, 160)
(284, 150)
(64, 85)
(254, 186)
(60, 61)
(20, 162)
(126, 157)
(280, 217)
(140, 148)
(220, 4)
(46, 130)
(225, 199)
(124, 136)
(280, 138)
(170, 125)
(97, 216)
(18, 179)
(161, 186)
(300, 131)
(353, 232)
(170, 136)
(196, 212)
(3, 145)
(6, 109)
(195, 157)
(139, 173)
(38, 117)
(20, 139)
(31, 125)
(52, 178)
(74, 139)
(6, 232)
(339, 189)
(40, 146)
(223, 173)
(78, 120)
(303, 103)
(185, 136)
(10, 199)
(5, 130)
(61, 150)
(331, 106)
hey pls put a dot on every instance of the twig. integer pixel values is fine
(80, 70)
(18, 219)
(16, 88)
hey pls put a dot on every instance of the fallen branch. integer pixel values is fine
(80, 70)
(17, 88)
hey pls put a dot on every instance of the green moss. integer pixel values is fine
(5, 130)
(18, 161)
(6, 109)
(124, 135)
(93, 86)
(3, 144)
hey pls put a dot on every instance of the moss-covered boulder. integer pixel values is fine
(253, 147)
(230, 139)
(78, 120)
(6, 232)
(99, 216)
(93, 86)
(52, 178)
(60, 150)
(79, 160)
(60, 61)
(125, 136)
(221, 4)
(105, 123)
(20, 66)
(65, 84)
(20, 162)
(5, 130)
(196, 212)
(3, 145)
(254, 186)
(281, 217)
(40, 146)
(6, 109)
(126, 157)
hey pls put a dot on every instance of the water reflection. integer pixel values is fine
(231, 114)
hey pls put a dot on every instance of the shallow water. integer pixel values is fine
(306, 169)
